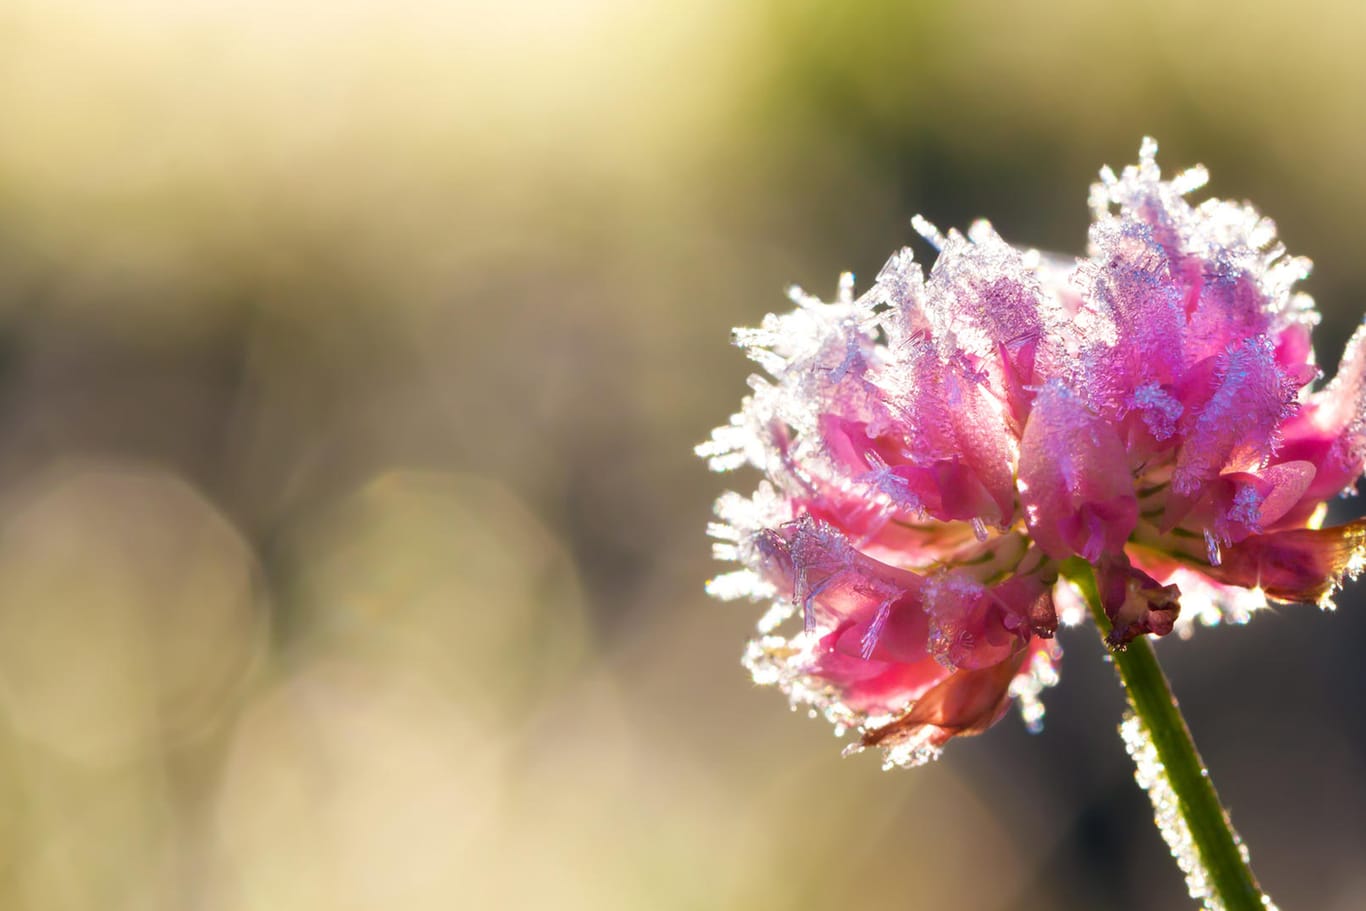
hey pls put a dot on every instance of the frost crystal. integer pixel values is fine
(1151, 776)
(935, 448)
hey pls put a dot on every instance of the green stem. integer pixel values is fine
(1231, 883)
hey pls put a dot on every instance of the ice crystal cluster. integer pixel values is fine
(1151, 776)
(937, 451)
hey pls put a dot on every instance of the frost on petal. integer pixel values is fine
(817, 357)
(1237, 279)
(1075, 481)
(829, 580)
(1332, 432)
(1296, 565)
(944, 444)
(739, 521)
(1133, 285)
(968, 624)
(985, 301)
(861, 653)
(973, 625)
(813, 669)
(1241, 503)
(1158, 407)
(1238, 418)
(959, 368)
(1204, 322)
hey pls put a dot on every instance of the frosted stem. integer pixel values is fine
(1186, 806)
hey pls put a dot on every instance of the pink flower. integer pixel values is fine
(935, 450)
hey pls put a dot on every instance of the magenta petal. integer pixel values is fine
(1288, 481)
(873, 686)
(827, 577)
(973, 625)
(1135, 602)
(968, 628)
(1238, 504)
(964, 703)
(1075, 481)
(1296, 565)
(979, 430)
(894, 631)
(1331, 429)
(1237, 425)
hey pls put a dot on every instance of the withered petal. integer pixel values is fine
(963, 704)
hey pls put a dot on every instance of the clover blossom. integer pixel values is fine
(938, 451)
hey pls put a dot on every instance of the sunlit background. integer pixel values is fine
(351, 357)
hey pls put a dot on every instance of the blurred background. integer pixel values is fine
(351, 357)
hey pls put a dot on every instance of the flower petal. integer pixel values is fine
(1236, 425)
(827, 577)
(1134, 601)
(1296, 565)
(964, 703)
(1075, 481)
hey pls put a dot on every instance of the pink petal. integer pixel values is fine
(974, 626)
(827, 577)
(1075, 481)
(964, 703)
(1296, 565)
(1236, 426)
(874, 686)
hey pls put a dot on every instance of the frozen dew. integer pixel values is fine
(778, 613)
(846, 288)
(742, 583)
(802, 298)
(1027, 688)
(870, 638)
(773, 660)
(1151, 776)
(914, 752)
(1207, 603)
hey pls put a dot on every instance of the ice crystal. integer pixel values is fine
(1151, 776)
(935, 448)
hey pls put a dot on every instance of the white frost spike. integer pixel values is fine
(1212, 552)
(874, 631)
(1216, 230)
(1151, 776)
(846, 288)
(927, 229)
(742, 583)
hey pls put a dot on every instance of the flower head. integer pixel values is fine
(939, 449)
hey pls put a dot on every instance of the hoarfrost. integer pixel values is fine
(1027, 688)
(1151, 776)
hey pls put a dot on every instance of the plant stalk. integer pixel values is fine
(1230, 883)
